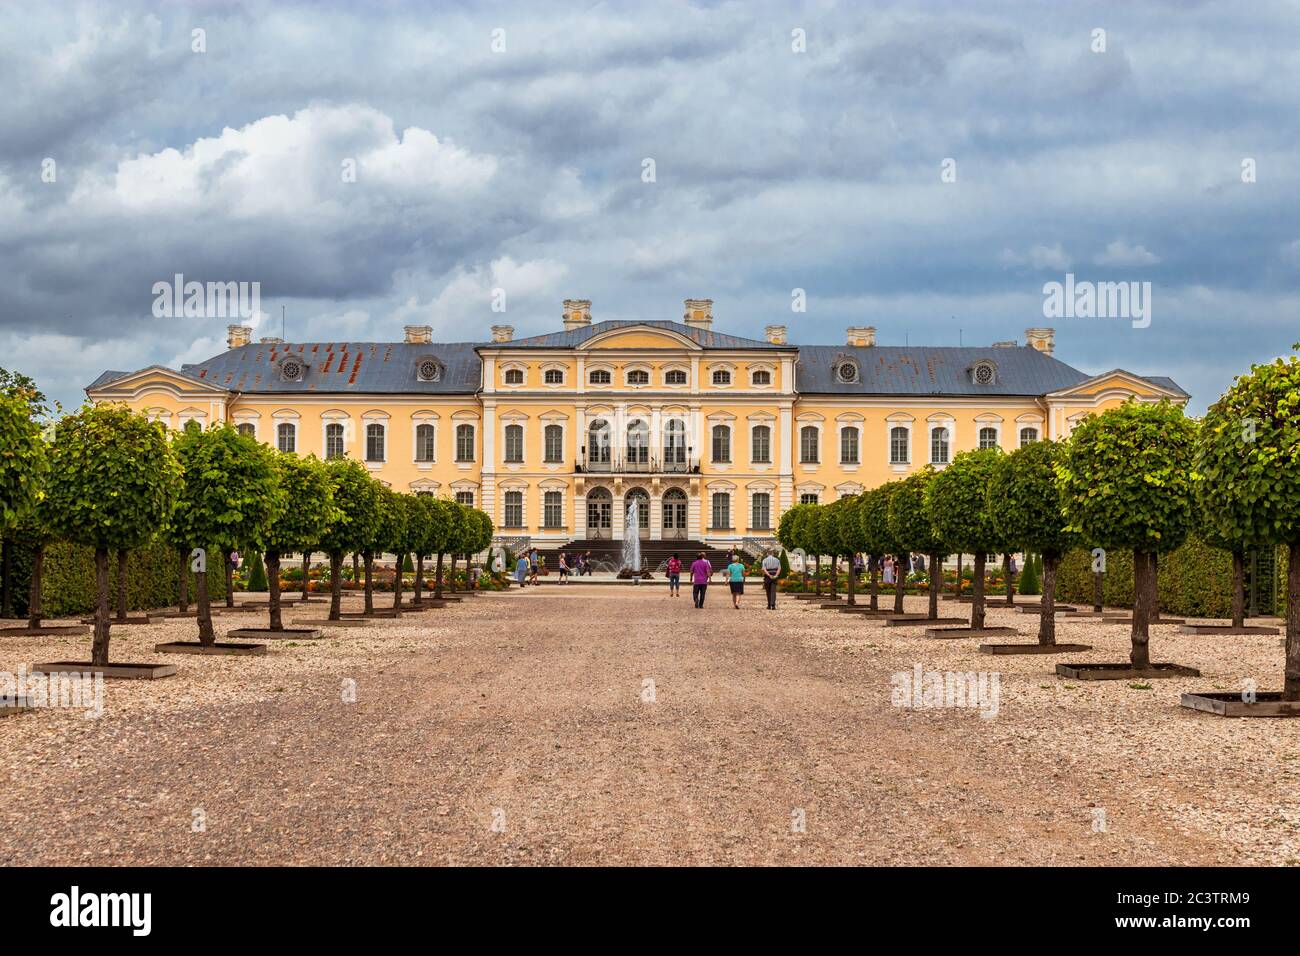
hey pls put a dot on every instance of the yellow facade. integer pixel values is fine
(558, 435)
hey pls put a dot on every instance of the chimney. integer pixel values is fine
(502, 333)
(577, 314)
(775, 334)
(271, 340)
(418, 334)
(1041, 339)
(699, 313)
(863, 336)
(238, 336)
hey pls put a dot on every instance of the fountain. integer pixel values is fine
(632, 544)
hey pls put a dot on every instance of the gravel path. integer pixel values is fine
(606, 725)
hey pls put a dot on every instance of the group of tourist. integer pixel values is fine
(702, 570)
(532, 563)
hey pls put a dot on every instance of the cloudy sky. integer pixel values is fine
(794, 146)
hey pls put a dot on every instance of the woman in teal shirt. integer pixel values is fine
(736, 576)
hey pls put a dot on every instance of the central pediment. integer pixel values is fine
(641, 337)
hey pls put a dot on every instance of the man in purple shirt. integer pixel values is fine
(700, 572)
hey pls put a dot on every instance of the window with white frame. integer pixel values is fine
(721, 443)
(760, 445)
(374, 442)
(425, 443)
(849, 445)
(761, 517)
(808, 498)
(553, 444)
(638, 442)
(638, 376)
(1028, 436)
(514, 444)
(553, 376)
(675, 442)
(721, 377)
(898, 442)
(939, 445)
(286, 436)
(988, 437)
(761, 377)
(600, 376)
(809, 452)
(514, 376)
(721, 510)
(465, 498)
(675, 376)
(464, 442)
(247, 428)
(334, 440)
(553, 510)
(514, 509)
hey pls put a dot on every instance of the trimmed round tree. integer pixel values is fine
(480, 537)
(444, 531)
(877, 540)
(1024, 502)
(790, 531)
(955, 499)
(911, 527)
(424, 513)
(1126, 482)
(385, 533)
(407, 541)
(229, 498)
(356, 504)
(1248, 457)
(458, 536)
(847, 537)
(23, 464)
(308, 496)
(113, 482)
(819, 542)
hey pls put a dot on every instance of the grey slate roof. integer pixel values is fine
(360, 367)
(931, 370)
(706, 338)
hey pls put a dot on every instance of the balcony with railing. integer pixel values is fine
(637, 462)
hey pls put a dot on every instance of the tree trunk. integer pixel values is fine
(336, 585)
(818, 572)
(851, 586)
(6, 573)
(898, 584)
(273, 585)
(957, 587)
(182, 592)
(121, 585)
(34, 597)
(977, 592)
(356, 568)
(306, 574)
(99, 646)
(230, 577)
(369, 559)
(1291, 686)
(1238, 589)
(397, 582)
(1143, 592)
(437, 579)
(419, 577)
(1047, 621)
(1006, 576)
(206, 634)
(835, 575)
(875, 582)
(1097, 591)
(451, 576)
(936, 584)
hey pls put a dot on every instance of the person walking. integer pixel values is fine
(564, 568)
(521, 570)
(536, 564)
(701, 570)
(736, 578)
(771, 574)
(674, 576)
(889, 570)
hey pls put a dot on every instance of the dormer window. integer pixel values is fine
(984, 373)
(428, 370)
(846, 372)
(292, 369)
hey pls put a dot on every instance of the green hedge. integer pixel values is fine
(68, 582)
(1194, 580)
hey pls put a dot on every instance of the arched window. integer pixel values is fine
(674, 511)
(721, 511)
(722, 443)
(849, 446)
(247, 428)
(638, 443)
(675, 443)
(464, 442)
(642, 499)
(553, 436)
(638, 376)
(760, 445)
(599, 376)
(898, 441)
(988, 437)
(675, 377)
(598, 442)
(514, 443)
(721, 377)
(1027, 436)
(761, 377)
(809, 440)
(374, 442)
(514, 376)
(554, 376)
(334, 440)
(514, 509)
(286, 437)
(761, 517)
(424, 443)
(939, 446)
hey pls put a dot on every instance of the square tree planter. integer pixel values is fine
(1267, 704)
(117, 622)
(46, 630)
(1033, 648)
(866, 610)
(1225, 629)
(952, 633)
(379, 612)
(326, 622)
(110, 671)
(1036, 609)
(1123, 671)
(921, 620)
(1127, 619)
(284, 634)
(217, 648)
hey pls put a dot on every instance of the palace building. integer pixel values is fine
(555, 435)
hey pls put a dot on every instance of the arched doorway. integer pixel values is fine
(600, 511)
(642, 498)
(674, 517)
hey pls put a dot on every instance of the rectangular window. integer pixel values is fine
(808, 499)
(554, 443)
(514, 443)
(464, 442)
(465, 498)
(514, 516)
(334, 441)
(808, 451)
(286, 437)
(424, 443)
(374, 442)
(898, 445)
(721, 511)
(762, 517)
(848, 446)
(939, 446)
(721, 443)
(762, 445)
(553, 510)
